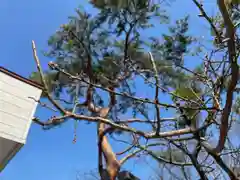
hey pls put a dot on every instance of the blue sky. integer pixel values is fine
(50, 155)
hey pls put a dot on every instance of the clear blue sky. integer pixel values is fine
(50, 155)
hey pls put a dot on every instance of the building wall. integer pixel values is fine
(8, 149)
(16, 107)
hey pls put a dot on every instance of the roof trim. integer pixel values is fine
(21, 78)
(16, 148)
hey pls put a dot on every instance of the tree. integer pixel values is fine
(100, 60)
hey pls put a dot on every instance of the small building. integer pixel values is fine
(18, 101)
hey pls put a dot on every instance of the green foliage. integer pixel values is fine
(173, 155)
(233, 2)
(111, 41)
(108, 38)
(121, 4)
(49, 78)
(187, 93)
(189, 96)
(236, 107)
(111, 49)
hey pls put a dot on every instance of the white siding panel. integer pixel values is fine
(14, 105)
(12, 89)
(11, 138)
(13, 121)
(10, 132)
(32, 114)
(16, 108)
(12, 83)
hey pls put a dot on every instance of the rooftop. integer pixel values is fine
(21, 78)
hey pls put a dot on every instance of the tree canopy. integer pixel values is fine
(110, 70)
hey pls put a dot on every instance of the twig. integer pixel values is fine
(158, 158)
(143, 100)
(43, 104)
(204, 14)
(46, 90)
(123, 160)
(156, 93)
(149, 135)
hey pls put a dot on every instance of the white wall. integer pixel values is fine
(16, 108)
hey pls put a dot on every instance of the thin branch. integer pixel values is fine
(132, 145)
(218, 159)
(143, 100)
(156, 93)
(193, 159)
(204, 14)
(42, 104)
(158, 158)
(129, 156)
(46, 90)
(147, 135)
(165, 90)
